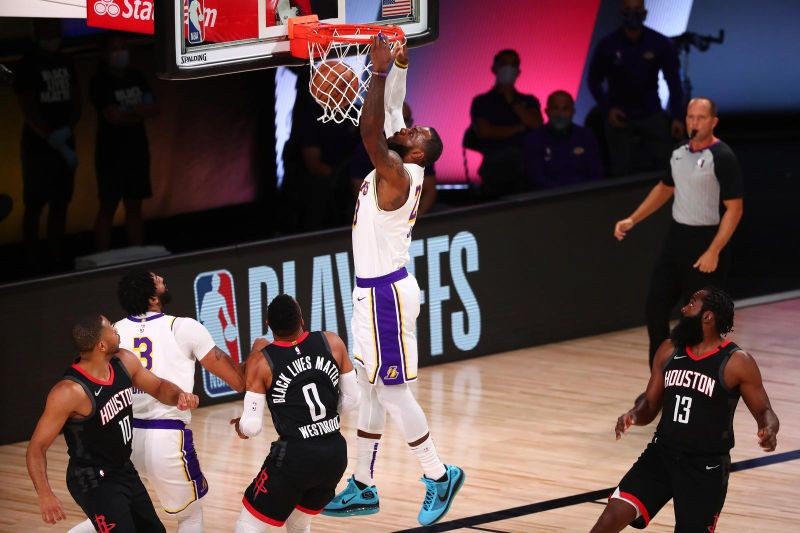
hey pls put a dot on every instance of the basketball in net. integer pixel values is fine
(334, 84)
(338, 59)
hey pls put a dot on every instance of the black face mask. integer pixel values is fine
(688, 331)
(633, 20)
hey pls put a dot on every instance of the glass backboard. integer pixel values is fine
(199, 38)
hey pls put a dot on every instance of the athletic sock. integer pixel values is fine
(429, 459)
(367, 453)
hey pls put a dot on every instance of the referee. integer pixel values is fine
(706, 180)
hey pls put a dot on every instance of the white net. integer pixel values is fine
(340, 74)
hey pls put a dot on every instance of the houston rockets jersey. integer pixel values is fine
(304, 395)
(104, 437)
(697, 408)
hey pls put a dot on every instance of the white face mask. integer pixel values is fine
(506, 74)
(119, 59)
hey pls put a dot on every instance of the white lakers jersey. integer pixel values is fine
(381, 238)
(168, 346)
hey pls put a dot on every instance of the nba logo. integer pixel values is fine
(194, 18)
(215, 302)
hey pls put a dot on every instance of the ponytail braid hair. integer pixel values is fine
(721, 304)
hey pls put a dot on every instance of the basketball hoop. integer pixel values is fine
(339, 62)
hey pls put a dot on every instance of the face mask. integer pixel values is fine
(506, 75)
(633, 20)
(119, 59)
(50, 46)
(560, 123)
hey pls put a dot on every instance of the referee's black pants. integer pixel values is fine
(674, 279)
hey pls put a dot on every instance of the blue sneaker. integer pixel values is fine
(353, 501)
(439, 496)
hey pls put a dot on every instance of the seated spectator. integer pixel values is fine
(561, 153)
(500, 118)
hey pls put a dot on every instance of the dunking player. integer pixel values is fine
(386, 297)
(92, 403)
(305, 379)
(163, 448)
(695, 383)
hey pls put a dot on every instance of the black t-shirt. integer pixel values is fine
(493, 107)
(697, 408)
(104, 437)
(304, 395)
(336, 142)
(51, 79)
(126, 91)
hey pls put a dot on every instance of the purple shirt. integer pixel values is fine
(630, 70)
(551, 159)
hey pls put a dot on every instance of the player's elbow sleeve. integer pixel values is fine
(253, 413)
(349, 392)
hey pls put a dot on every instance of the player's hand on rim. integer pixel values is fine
(235, 423)
(381, 55)
(52, 510)
(623, 423)
(187, 400)
(401, 57)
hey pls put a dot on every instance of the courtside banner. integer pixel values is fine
(493, 278)
(205, 21)
(124, 15)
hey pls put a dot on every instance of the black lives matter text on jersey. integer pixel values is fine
(295, 368)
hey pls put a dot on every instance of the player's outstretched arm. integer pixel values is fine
(395, 93)
(388, 164)
(648, 407)
(162, 390)
(349, 392)
(259, 379)
(743, 371)
(63, 400)
(221, 365)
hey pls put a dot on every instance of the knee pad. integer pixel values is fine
(298, 522)
(371, 414)
(401, 405)
(190, 520)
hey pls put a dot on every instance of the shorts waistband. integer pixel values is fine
(369, 283)
(158, 424)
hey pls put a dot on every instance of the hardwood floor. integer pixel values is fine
(527, 426)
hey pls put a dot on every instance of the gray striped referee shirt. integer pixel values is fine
(702, 181)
